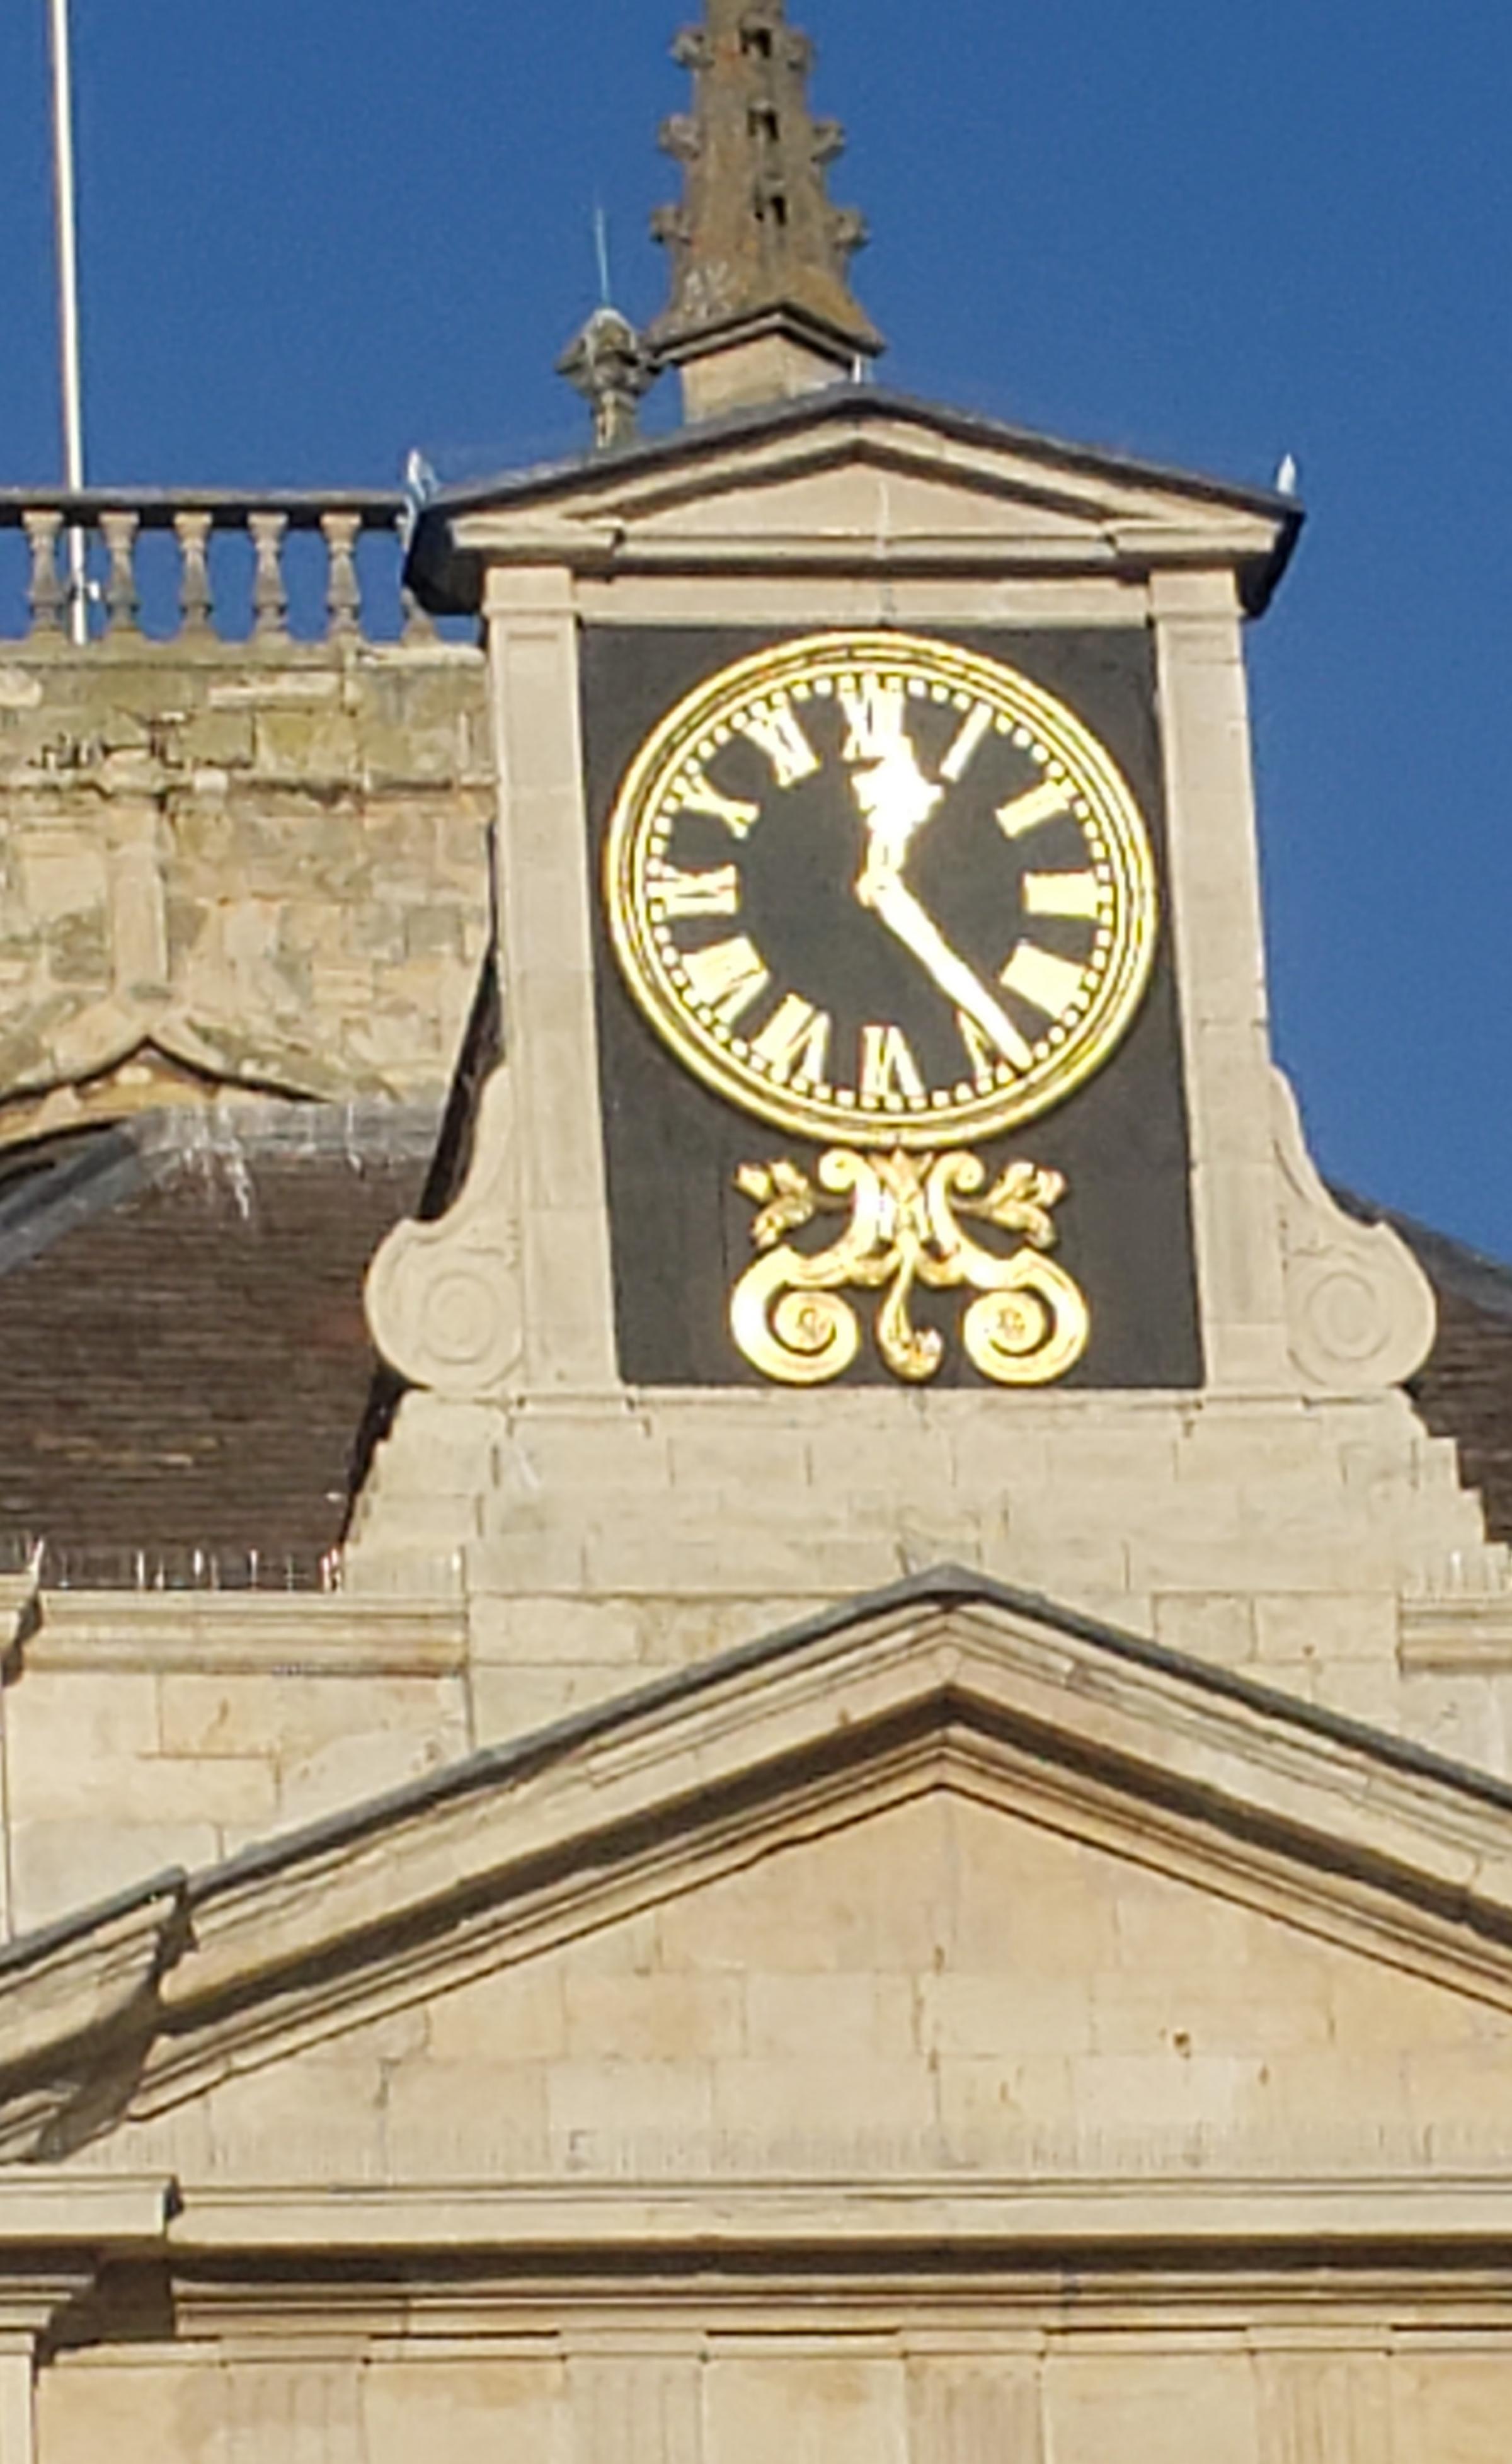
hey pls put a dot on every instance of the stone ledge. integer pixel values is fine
(56, 2208)
(224, 1633)
(1472, 1636)
(724, 2213)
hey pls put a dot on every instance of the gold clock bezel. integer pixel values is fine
(1101, 796)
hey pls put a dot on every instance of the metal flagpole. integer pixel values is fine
(68, 309)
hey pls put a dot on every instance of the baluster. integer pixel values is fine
(195, 603)
(270, 599)
(119, 532)
(343, 595)
(46, 597)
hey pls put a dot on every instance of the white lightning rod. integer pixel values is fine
(68, 308)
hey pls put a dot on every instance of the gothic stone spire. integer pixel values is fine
(761, 302)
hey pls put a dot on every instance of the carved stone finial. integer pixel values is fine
(761, 301)
(612, 369)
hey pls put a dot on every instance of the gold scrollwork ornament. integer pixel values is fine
(1028, 1326)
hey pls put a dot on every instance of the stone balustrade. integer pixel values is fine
(211, 596)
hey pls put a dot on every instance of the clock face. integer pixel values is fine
(882, 892)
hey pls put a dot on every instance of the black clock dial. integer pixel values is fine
(876, 888)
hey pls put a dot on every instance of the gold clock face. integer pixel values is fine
(882, 892)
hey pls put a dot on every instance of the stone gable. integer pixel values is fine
(936, 1985)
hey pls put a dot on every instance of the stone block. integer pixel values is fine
(751, 1456)
(839, 2409)
(20, 691)
(134, 2406)
(465, 2407)
(996, 2105)
(822, 1907)
(222, 737)
(59, 1866)
(655, 2019)
(1276, 1561)
(1450, 2405)
(515, 2016)
(51, 1721)
(1328, 1630)
(231, 1792)
(979, 2410)
(550, 1632)
(637, 2407)
(830, 2018)
(1216, 1627)
(1067, 1561)
(797, 2109)
(1195, 2012)
(588, 1451)
(1465, 1718)
(530, 1558)
(1152, 2409)
(512, 1703)
(1369, 1693)
(609, 2103)
(290, 1714)
(1125, 2097)
(347, 1771)
(308, 744)
(682, 1634)
(467, 2120)
(320, 2116)
(61, 873)
(1005, 2015)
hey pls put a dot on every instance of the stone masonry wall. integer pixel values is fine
(271, 860)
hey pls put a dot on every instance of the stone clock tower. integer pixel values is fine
(885, 1164)
(864, 1863)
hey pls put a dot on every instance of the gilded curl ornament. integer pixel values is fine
(1028, 1325)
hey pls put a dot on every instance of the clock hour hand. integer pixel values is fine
(895, 905)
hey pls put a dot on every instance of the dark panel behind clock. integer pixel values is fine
(681, 1230)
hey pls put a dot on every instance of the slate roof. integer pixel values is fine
(186, 1374)
(1464, 1389)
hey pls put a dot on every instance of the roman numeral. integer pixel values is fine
(726, 978)
(695, 893)
(697, 793)
(963, 752)
(875, 709)
(1042, 804)
(1046, 982)
(888, 1070)
(1060, 893)
(795, 1043)
(783, 740)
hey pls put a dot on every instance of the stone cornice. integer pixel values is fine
(609, 2220)
(994, 2265)
(226, 1632)
(57, 2229)
(756, 493)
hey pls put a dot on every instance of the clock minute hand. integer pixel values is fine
(884, 891)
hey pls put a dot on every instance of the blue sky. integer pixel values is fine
(317, 231)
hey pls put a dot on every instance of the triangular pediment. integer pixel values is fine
(1069, 1847)
(844, 482)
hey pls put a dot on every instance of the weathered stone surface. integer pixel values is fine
(309, 856)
